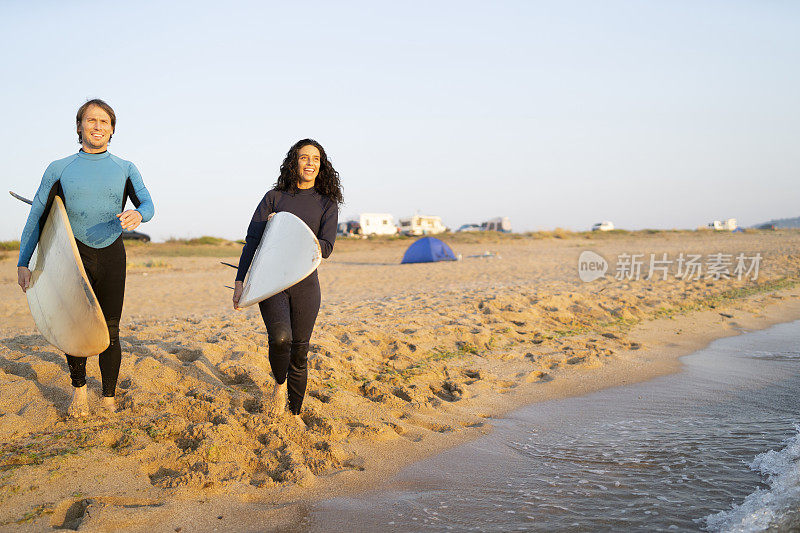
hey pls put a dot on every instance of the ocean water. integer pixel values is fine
(715, 447)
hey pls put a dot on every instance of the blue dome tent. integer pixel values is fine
(428, 250)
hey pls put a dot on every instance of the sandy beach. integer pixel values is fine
(405, 361)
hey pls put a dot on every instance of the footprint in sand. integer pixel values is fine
(91, 513)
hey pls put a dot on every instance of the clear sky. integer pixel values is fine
(659, 114)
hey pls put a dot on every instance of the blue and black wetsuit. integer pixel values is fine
(290, 315)
(94, 188)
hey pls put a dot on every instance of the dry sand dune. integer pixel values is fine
(405, 360)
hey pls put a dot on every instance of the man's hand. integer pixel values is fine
(130, 219)
(238, 287)
(24, 278)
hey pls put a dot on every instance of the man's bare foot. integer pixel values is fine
(79, 408)
(108, 404)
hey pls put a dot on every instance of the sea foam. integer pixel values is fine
(770, 507)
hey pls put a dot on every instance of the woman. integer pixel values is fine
(308, 187)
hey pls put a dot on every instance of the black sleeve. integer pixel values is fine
(327, 228)
(130, 192)
(254, 232)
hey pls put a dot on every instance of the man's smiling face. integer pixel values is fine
(95, 129)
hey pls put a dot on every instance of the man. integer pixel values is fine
(94, 186)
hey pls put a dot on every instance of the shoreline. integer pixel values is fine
(665, 453)
(407, 361)
(666, 341)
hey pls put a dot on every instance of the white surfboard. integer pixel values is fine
(288, 253)
(61, 300)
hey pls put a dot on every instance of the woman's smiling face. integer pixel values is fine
(308, 161)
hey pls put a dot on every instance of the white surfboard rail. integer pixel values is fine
(62, 302)
(287, 253)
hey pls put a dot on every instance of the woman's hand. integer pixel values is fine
(130, 219)
(238, 287)
(24, 278)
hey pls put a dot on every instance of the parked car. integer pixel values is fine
(135, 236)
(469, 227)
(606, 225)
(351, 227)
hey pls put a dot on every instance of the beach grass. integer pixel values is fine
(481, 237)
(726, 296)
(204, 240)
(33, 514)
(210, 246)
(200, 247)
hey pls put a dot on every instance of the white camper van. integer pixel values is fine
(422, 225)
(377, 224)
(605, 225)
(497, 224)
(727, 225)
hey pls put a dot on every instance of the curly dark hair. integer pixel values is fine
(327, 182)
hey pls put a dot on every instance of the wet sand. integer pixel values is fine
(406, 360)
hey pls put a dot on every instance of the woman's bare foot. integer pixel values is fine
(109, 404)
(276, 398)
(79, 408)
(297, 422)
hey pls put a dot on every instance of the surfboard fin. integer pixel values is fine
(228, 264)
(20, 198)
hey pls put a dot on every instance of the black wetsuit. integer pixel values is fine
(105, 268)
(290, 315)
